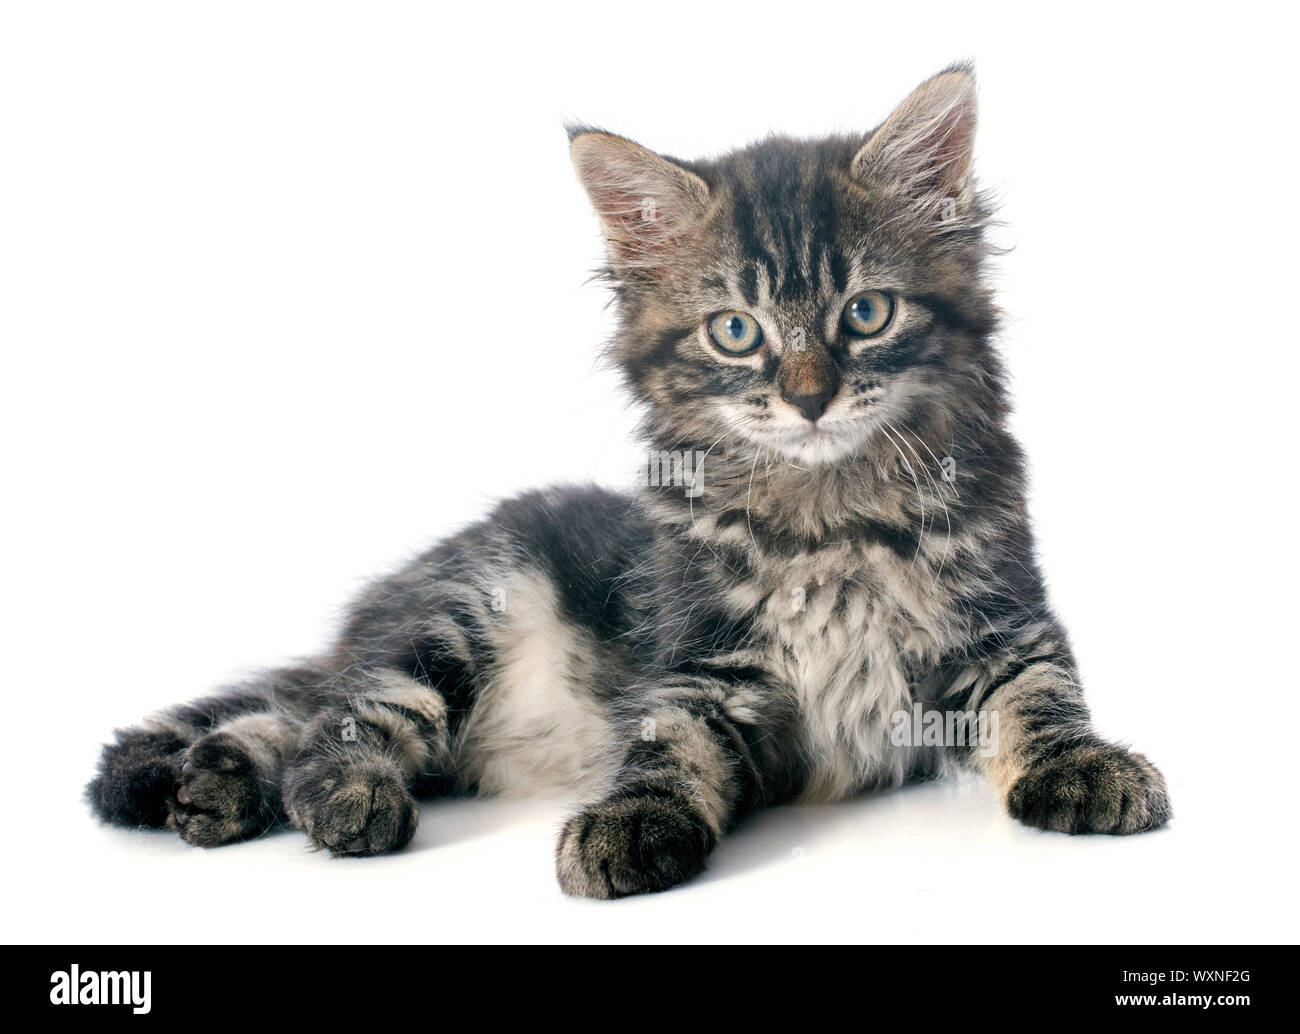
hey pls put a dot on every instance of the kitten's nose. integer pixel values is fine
(811, 406)
(807, 379)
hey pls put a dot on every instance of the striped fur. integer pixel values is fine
(681, 657)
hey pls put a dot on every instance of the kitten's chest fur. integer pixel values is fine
(852, 631)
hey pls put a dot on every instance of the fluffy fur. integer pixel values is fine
(852, 542)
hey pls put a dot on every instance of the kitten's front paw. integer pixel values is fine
(351, 807)
(631, 845)
(219, 794)
(1098, 788)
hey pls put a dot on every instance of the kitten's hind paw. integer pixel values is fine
(220, 795)
(1097, 788)
(137, 773)
(351, 807)
(631, 845)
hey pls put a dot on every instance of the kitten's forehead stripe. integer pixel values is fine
(783, 213)
(839, 271)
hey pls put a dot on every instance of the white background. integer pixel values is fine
(288, 291)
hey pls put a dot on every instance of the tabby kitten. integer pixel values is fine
(833, 535)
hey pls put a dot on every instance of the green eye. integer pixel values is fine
(868, 313)
(736, 333)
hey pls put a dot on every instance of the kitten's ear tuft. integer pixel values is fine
(575, 129)
(924, 150)
(645, 202)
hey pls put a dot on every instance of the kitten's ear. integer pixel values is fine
(924, 149)
(645, 202)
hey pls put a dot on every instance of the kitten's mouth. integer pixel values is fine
(834, 437)
(817, 443)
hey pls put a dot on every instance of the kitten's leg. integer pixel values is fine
(350, 787)
(1051, 768)
(137, 775)
(228, 786)
(701, 754)
(213, 769)
(209, 769)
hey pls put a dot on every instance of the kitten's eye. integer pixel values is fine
(868, 313)
(736, 333)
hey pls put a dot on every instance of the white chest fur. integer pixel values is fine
(847, 631)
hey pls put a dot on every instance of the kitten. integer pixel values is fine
(832, 544)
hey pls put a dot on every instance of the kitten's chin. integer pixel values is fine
(815, 446)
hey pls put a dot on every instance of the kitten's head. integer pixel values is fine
(800, 295)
